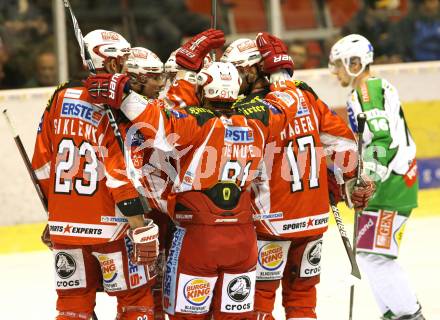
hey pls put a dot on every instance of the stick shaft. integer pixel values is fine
(345, 240)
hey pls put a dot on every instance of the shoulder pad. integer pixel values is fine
(201, 114)
(254, 107)
(304, 86)
(62, 86)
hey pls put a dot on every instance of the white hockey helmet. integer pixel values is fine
(171, 64)
(351, 46)
(242, 53)
(220, 81)
(143, 62)
(104, 44)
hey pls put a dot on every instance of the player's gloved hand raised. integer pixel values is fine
(107, 88)
(146, 243)
(358, 196)
(274, 53)
(190, 56)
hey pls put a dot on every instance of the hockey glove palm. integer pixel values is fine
(190, 56)
(107, 88)
(274, 53)
(358, 196)
(146, 243)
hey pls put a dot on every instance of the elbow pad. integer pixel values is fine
(131, 207)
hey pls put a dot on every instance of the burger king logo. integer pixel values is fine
(270, 256)
(196, 291)
(108, 268)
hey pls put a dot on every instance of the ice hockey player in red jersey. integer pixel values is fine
(147, 77)
(210, 201)
(291, 202)
(96, 224)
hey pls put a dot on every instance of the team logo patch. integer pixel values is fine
(196, 291)
(81, 110)
(270, 256)
(239, 135)
(310, 263)
(136, 139)
(239, 288)
(65, 265)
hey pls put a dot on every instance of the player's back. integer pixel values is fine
(73, 142)
(291, 199)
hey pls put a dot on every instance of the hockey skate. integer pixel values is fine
(415, 316)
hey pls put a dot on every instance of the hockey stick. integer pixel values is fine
(354, 266)
(31, 171)
(361, 119)
(213, 22)
(89, 62)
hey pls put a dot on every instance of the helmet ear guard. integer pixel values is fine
(351, 46)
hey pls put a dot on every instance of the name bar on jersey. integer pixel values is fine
(301, 224)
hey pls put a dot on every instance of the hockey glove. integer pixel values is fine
(274, 53)
(190, 56)
(146, 243)
(45, 237)
(358, 196)
(107, 88)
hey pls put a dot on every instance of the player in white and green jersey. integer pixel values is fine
(389, 159)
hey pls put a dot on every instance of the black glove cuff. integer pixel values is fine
(131, 207)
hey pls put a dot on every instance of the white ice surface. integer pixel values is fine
(28, 289)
